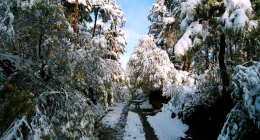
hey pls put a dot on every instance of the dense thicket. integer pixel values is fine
(59, 66)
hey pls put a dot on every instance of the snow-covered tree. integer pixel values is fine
(244, 117)
(112, 31)
(41, 37)
(204, 19)
(107, 26)
(6, 25)
(164, 16)
(149, 68)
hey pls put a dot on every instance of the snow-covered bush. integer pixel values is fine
(184, 102)
(245, 116)
(246, 87)
(57, 116)
(104, 76)
(236, 123)
(209, 85)
(14, 104)
(173, 91)
(126, 94)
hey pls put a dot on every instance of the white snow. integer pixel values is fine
(167, 128)
(146, 105)
(79, 1)
(168, 20)
(112, 117)
(133, 128)
(164, 126)
(247, 79)
(185, 43)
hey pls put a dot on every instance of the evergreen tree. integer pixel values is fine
(209, 18)
(164, 16)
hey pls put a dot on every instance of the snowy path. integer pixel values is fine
(134, 127)
(148, 130)
(122, 124)
(114, 122)
(125, 122)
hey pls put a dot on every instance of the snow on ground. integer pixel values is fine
(112, 117)
(134, 127)
(167, 128)
(146, 105)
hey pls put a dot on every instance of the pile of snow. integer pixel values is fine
(133, 128)
(167, 128)
(185, 43)
(146, 105)
(236, 14)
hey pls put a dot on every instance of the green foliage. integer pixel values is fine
(79, 76)
(209, 85)
(15, 104)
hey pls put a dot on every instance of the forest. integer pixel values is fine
(196, 73)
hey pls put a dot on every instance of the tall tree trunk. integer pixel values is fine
(76, 15)
(40, 55)
(250, 49)
(231, 52)
(207, 58)
(186, 65)
(95, 24)
(222, 65)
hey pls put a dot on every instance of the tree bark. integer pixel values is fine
(222, 65)
(95, 24)
(76, 15)
(250, 50)
(207, 59)
(186, 65)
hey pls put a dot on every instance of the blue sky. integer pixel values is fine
(137, 24)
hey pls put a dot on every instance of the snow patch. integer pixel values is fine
(113, 116)
(167, 128)
(134, 127)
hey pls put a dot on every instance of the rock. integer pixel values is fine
(173, 115)
(8, 66)
(186, 138)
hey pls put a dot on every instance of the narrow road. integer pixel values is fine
(117, 133)
(149, 132)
